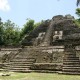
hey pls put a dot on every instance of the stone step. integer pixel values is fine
(71, 67)
(39, 71)
(71, 70)
(6, 67)
(70, 55)
(71, 73)
(71, 61)
(45, 71)
(71, 58)
(24, 58)
(21, 62)
(20, 66)
(6, 63)
(1, 69)
(71, 64)
(23, 71)
(16, 66)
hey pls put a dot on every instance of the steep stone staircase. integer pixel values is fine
(21, 63)
(71, 63)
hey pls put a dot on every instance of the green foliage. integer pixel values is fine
(37, 24)
(78, 12)
(28, 27)
(1, 33)
(77, 22)
(11, 33)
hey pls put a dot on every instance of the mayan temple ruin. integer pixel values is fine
(53, 46)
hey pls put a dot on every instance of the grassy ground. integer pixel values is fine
(39, 76)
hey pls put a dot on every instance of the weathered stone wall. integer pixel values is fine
(47, 66)
(7, 54)
(46, 58)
